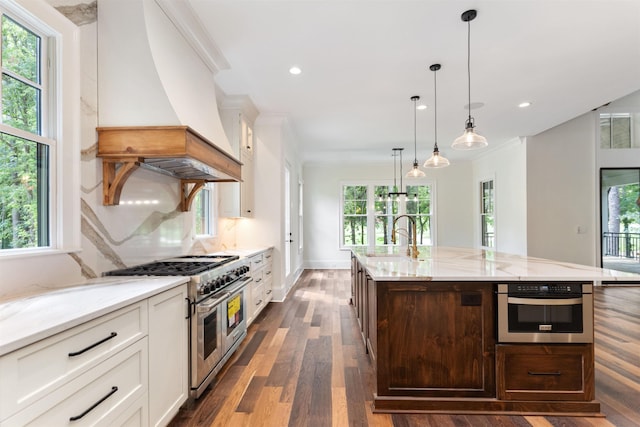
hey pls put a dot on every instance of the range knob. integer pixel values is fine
(219, 283)
(206, 288)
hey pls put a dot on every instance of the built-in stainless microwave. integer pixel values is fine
(545, 312)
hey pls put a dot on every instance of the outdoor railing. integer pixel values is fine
(624, 245)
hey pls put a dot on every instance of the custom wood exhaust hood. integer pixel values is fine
(176, 151)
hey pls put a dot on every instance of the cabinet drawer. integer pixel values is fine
(98, 397)
(35, 371)
(257, 261)
(268, 290)
(268, 257)
(545, 372)
(258, 277)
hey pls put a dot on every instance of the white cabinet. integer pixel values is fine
(127, 367)
(267, 275)
(261, 289)
(238, 115)
(35, 371)
(168, 355)
(97, 397)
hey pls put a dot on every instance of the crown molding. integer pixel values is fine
(186, 21)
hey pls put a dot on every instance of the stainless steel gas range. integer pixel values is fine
(217, 308)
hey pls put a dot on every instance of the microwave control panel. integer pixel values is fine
(544, 289)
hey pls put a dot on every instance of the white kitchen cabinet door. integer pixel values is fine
(168, 354)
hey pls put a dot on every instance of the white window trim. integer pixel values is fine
(371, 198)
(64, 80)
(213, 214)
(495, 211)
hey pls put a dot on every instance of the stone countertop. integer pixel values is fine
(26, 320)
(449, 263)
(244, 252)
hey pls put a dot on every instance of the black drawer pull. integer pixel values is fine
(555, 374)
(84, 350)
(77, 417)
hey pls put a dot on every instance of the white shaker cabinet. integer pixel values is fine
(126, 367)
(261, 289)
(238, 115)
(168, 355)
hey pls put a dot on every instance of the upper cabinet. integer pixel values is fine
(238, 115)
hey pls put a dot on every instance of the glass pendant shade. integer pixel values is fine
(415, 171)
(436, 160)
(469, 140)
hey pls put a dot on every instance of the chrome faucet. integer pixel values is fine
(412, 250)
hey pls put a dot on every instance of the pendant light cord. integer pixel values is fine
(469, 65)
(415, 133)
(435, 108)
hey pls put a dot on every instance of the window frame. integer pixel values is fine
(211, 221)
(484, 214)
(611, 116)
(60, 130)
(371, 214)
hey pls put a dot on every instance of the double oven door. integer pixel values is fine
(217, 326)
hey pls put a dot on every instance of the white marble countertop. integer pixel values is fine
(448, 263)
(26, 320)
(244, 252)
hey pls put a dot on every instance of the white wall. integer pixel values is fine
(454, 221)
(561, 192)
(507, 166)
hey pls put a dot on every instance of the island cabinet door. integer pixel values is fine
(435, 339)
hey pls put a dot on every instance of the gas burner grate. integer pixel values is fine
(165, 268)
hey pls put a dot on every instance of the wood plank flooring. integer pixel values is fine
(304, 364)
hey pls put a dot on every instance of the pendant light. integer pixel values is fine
(469, 139)
(436, 160)
(397, 191)
(415, 172)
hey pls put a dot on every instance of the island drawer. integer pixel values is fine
(545, 372)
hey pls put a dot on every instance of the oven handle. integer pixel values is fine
(241, 283)
(206, 308)
(544, 301)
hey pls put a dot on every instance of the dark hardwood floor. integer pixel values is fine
(304, 364)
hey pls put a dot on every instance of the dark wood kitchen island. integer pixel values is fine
(430, 328)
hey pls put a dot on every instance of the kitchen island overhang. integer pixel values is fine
(430, 328)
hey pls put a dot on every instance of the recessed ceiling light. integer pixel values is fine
(524, 104)
(421, 107)
(295, 70)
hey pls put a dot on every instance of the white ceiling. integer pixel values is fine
(362, 60)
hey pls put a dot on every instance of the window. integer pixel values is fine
(615, 131)
(354, 215)
(25, 146)
(40, 200)
(204, 212)
(487, 216)
(367, 207)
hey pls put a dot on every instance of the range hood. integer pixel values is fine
(172, 86)
(177, 151)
